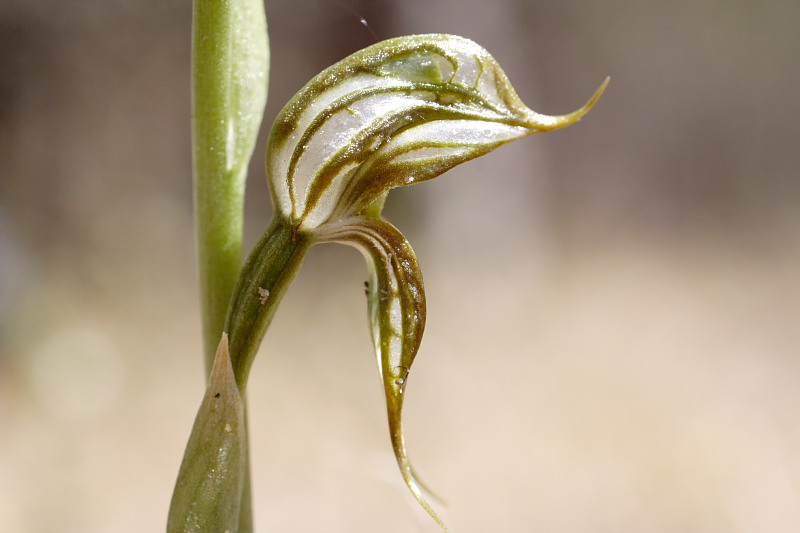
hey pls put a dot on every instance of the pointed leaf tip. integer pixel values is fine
(208, 491)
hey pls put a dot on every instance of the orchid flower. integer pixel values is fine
(399, 112)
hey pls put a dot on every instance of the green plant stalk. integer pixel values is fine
(230, 63)
(230, 69)
(267, 274)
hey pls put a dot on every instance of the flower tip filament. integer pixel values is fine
(595, 97)
(539, 123)
(417, 488)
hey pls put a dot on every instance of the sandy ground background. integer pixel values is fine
(612, 342)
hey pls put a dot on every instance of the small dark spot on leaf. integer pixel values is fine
(216, 395)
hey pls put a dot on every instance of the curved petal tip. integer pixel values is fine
(539, 123)
(417, 488)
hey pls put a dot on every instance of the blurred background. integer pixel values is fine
(612, 341)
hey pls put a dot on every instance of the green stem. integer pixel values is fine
(246, 509)
(267, 274)
(230, 65)
(230, 60)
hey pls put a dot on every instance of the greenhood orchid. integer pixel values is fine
(399, 112)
